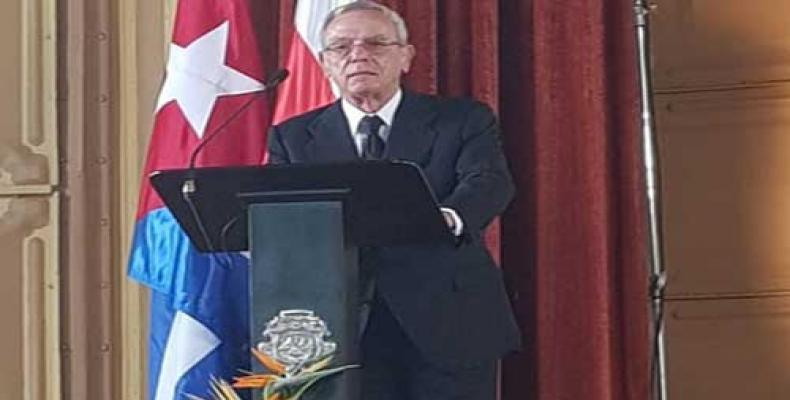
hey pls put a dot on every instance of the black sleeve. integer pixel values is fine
(484, 186)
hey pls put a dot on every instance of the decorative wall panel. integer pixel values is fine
(29, 284)
(726, 190)
(29, 290)
(28, 159)
(721, 42)
(729, 349)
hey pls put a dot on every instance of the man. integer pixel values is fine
(440, 317)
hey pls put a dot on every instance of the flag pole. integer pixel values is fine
(657, 278)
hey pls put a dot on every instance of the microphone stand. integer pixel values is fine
(189, 187)
(657, 278)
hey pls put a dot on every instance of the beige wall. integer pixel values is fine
(79, 81)
(29, 199)
(723, 102)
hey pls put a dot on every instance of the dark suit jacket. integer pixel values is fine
(450, 299)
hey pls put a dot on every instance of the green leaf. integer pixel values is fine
(303, 389)
(307, 376)
(320, 364)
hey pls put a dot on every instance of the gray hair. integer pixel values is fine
(367, 5)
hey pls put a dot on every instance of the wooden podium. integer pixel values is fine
(303, 225)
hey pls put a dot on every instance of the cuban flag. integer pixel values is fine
(199, 320)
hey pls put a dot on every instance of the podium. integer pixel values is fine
(304, 226)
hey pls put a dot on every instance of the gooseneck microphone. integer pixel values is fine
(190, 187)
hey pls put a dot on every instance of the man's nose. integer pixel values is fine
(359, 49)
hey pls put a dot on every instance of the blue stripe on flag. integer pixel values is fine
(158, 251)
(199, 317)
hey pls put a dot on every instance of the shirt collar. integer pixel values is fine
(386, 113)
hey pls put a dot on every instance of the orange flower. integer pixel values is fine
(269, 363)
(253, 381)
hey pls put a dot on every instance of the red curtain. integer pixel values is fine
(574, 241)
(562, 76)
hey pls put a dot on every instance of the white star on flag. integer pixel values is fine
(197, 75)
(189, 341)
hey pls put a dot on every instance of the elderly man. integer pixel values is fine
(440, 317)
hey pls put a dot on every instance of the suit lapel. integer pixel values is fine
(412, 136)
(330, 137)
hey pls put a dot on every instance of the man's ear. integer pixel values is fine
(409, 55)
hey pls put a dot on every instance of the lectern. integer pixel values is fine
(304, 225)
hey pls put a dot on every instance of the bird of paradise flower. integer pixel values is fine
(279, 383)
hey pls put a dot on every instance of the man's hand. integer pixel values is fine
(448, 218)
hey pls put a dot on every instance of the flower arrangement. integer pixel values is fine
(279, 383)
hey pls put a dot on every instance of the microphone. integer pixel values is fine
(189, 186)
(274, 79)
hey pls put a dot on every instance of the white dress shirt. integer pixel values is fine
(386, 113)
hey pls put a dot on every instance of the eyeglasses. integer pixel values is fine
(343, 47)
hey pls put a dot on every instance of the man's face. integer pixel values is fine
(362, 55)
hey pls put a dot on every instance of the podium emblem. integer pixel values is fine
(296, 338)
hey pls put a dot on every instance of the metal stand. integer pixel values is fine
(652, 188)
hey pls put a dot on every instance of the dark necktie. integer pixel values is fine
(372, 144)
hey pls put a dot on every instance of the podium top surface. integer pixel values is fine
(384, 202)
